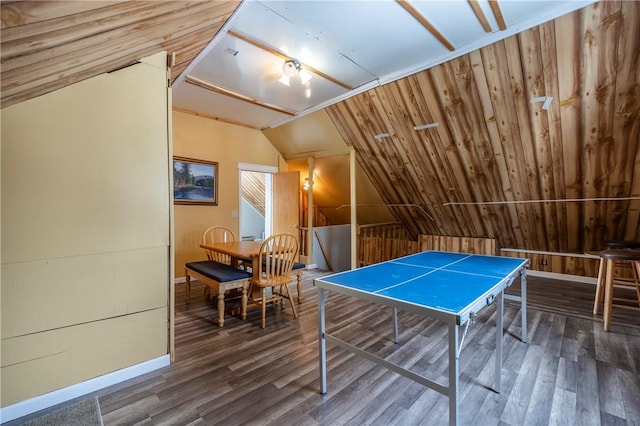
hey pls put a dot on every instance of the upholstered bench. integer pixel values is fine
(220, 277)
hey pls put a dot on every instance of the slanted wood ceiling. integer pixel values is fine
(495, 155)
(47, 45)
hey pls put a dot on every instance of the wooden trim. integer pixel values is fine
(425, 23)
(211, 117)
(569, 264)
(458, 244)
(480, 15)
(226, 92)
(495, 8)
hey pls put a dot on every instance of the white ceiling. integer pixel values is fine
(351, 46)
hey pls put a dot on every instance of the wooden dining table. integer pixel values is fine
(238, 250)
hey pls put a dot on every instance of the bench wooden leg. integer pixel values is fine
(187, 287)
(299, 276)
(220, 307)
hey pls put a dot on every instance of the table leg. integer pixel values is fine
(499, 333)
(243, 304)
(322, 343)
(453, 374)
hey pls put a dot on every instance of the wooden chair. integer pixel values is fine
(217, 234)
(277, 257)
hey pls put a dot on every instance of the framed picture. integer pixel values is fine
(195, 182)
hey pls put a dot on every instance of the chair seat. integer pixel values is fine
(218, 271)
(272, 282)
(296, 265)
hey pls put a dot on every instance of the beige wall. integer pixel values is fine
(85, 231)
(206, 139)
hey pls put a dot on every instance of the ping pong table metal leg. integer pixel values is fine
(453, 374)
(395, 326)
(322, 343)
(499, 333)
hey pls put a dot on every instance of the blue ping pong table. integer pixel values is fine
(450, 287)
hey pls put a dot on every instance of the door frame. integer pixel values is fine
(260, 168)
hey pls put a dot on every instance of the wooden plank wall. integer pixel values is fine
(499, 166)
(384, 241)
(458, 244)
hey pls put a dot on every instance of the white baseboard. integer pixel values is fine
(29, 406)
(311, 266)
(179, 280)
(564, 277)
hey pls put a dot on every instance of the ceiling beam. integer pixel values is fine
(495, 8)
(480, 15)
(276, 52)
(425, 23)
(226, 92)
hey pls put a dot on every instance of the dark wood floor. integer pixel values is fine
(570, 373)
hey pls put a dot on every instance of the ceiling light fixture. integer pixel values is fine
(290, 68)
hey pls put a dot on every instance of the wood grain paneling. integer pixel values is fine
(561, 179)
(458, 244)
(47, 45)
(252, 188)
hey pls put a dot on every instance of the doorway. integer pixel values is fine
(255, 201)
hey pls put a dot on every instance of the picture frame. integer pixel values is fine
(195, 181)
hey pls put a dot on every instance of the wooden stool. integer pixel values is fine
(610, 244)
(606, 280)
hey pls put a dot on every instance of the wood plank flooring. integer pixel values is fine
(570, 373)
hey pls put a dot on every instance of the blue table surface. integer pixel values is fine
(442, 280)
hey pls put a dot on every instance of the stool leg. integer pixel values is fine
(637, 279)
(608, 293)
(599, 287)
